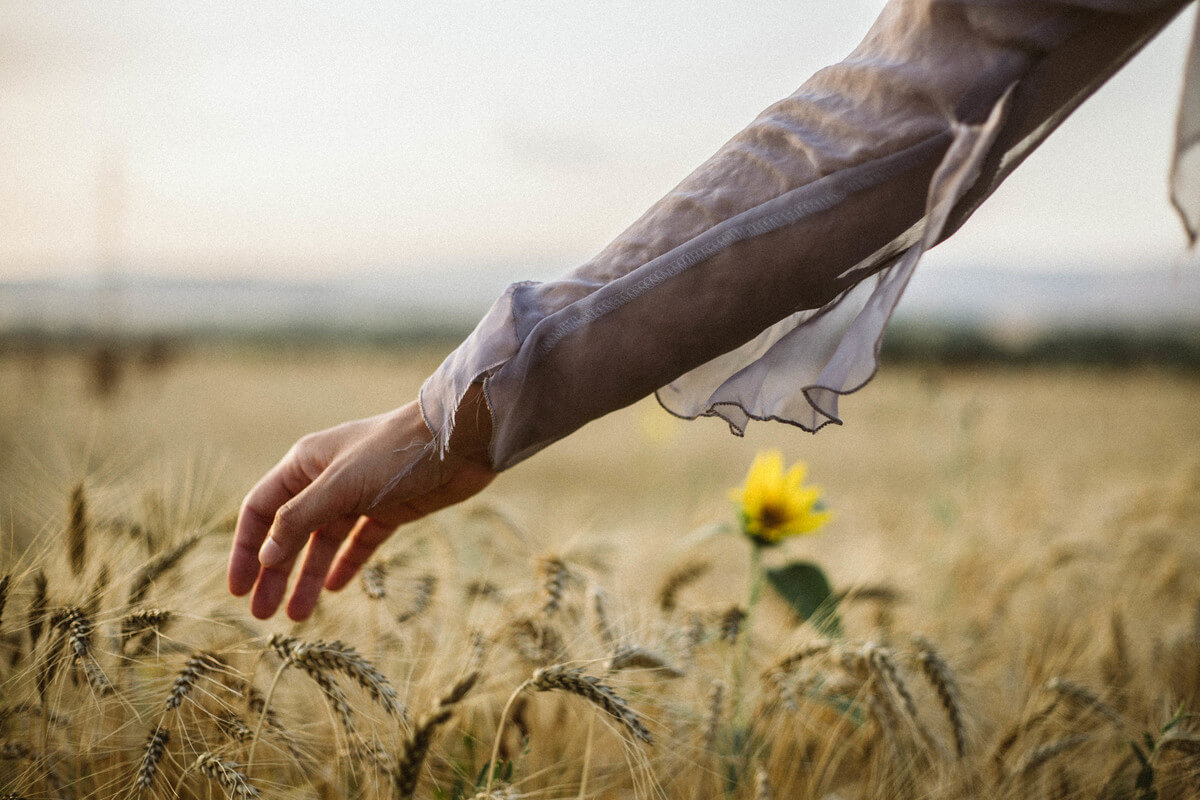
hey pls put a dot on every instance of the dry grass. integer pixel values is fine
(1040, 529)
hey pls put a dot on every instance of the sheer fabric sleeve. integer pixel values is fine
(760, 286)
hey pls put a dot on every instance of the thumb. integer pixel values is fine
(314, 506)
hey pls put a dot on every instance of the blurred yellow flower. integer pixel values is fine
(774, 505)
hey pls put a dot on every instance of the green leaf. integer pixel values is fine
(806, 589)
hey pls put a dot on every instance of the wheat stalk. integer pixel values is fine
(227, 775)
(49, 664)
(256, 702)
(416, 744)
(336, 699)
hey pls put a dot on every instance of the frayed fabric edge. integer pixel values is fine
(956, 173)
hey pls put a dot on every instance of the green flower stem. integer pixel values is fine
(742, 662)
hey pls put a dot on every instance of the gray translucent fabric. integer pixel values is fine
(760, 286)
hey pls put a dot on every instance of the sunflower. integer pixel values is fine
(774, 505)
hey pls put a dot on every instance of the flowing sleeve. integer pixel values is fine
(760, 286)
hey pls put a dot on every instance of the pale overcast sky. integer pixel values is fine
(308, 139)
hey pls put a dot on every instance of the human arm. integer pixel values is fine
(759, 286)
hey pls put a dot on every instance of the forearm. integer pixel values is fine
(850, 175)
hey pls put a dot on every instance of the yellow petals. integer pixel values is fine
(774, 505)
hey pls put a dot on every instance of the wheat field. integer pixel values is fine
(1016, 555)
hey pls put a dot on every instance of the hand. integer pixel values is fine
(329, 492)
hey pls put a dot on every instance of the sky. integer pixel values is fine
(309, 140)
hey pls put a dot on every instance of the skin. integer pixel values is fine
(325, 505)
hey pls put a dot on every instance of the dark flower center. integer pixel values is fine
(771, 516)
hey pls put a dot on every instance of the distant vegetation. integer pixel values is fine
(1169, 347)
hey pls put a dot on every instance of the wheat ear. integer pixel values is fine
(37, 609)
(730, 625)
(1019, 729)
(337, 656)
(373, 580)
(227, 775)
(422, 599)
(144, 579)
(416, 745)
(798, 655)
(77, 531)
(594, 690)
(1041, 756)
(881, 661)
(641, 658)
(762, 785)
(554, 574)
(716, 709)
(941, 678)
(605, 630)
(4, 594)
(678, 579)
(141, 621)
(78, 626)
(156, 747)
(198, 665)
(1084, 699)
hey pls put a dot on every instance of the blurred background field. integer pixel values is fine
(932, 458)
(1038, 522)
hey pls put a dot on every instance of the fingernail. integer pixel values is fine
(270, 553)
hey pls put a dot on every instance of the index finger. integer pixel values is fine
(258, 510)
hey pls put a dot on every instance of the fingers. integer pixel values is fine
(322, 548)
(360, 546)
(320, 503)
(255, 518)
(269, 588)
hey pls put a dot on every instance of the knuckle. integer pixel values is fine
(285, 518)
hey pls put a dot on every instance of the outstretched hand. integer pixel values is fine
(332, 493)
